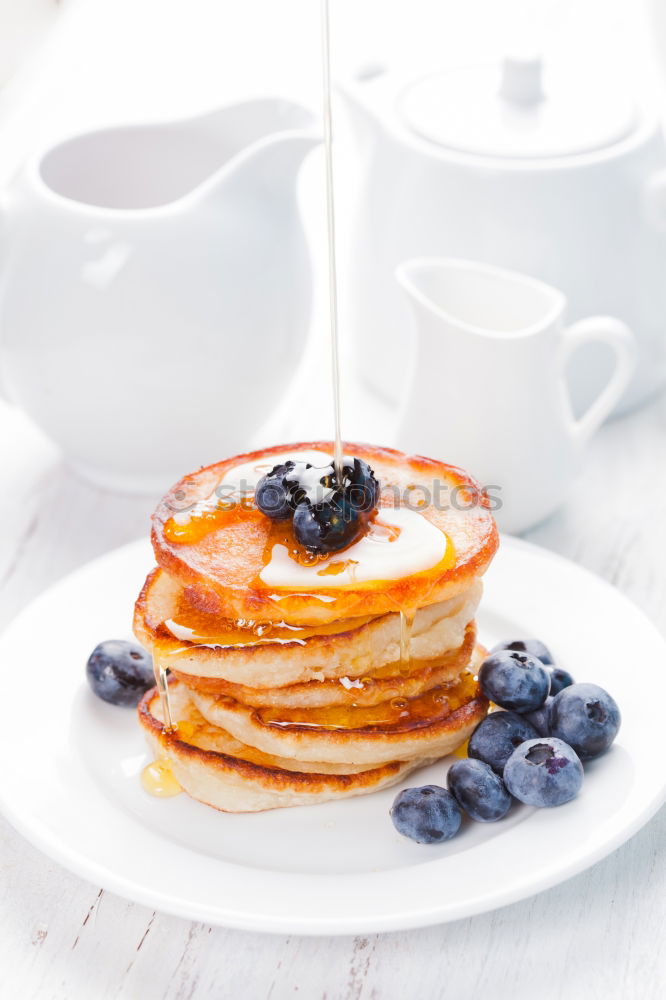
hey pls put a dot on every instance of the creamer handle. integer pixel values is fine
(616, 335)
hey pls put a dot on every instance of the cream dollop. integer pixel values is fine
(247, 476)
(242, 480)
(414, 545)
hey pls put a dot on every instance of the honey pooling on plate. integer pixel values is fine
(159, 780)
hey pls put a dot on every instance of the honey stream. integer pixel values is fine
(330, 224)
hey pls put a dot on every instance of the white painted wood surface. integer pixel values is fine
(600, 935)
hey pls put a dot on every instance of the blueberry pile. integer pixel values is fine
(326, 515)
(531, 750)
(120, 672)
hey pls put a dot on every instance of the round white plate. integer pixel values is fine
(70, 774)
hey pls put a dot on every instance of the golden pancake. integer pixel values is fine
(218, 770)
(299, 678)
(432, 724)
(219, 548)
(242, 657)
(390, 681)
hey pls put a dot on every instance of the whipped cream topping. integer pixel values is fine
(243, 479)
(310, 480)
(247, 476)
(411, 545)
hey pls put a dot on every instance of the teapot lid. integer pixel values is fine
(516, 110)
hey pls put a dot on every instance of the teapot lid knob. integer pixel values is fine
(521, 80)
(519, 109)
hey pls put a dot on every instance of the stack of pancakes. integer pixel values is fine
(284, 695)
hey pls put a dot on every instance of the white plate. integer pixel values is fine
(70, 765)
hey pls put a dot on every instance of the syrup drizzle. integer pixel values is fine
(406, 622)
(395, 715)
(330, 220)
(162, 684)
(201, 628)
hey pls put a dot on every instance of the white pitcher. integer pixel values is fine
(488, 388)
(155, 289)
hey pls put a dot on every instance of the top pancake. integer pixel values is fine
(221, 567)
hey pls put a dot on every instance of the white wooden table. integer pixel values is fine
(600, 935)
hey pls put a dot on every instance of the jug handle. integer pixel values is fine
(616, 335)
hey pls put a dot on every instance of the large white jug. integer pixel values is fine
(155, 289)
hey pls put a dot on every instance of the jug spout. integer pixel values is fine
(273, 164)
(481, 303)
(271, 139)
(162, 165)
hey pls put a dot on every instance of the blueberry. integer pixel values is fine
(428, 814)
(544, 772)
(363, 490)
(328, 515)
(478, 790)
(120, 672)
(540, 717)
(586, 717)
(559, 679)
(273, 496)
(497, 736)
(319, 484)
(514, 680)
(326, 527)
(533, 647)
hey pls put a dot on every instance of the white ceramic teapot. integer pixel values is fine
(549, 171)
(155, 289)
(487, 388)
